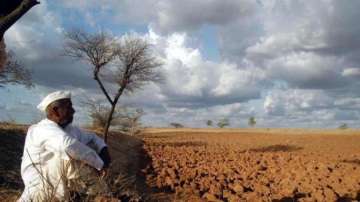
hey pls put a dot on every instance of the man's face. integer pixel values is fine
(65, 112)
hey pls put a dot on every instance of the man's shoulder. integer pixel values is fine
(45, 125)
(72, 128)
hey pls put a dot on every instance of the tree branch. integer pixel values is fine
(7, 21)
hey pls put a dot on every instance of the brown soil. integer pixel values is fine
(254, 165)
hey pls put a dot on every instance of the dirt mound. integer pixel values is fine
(12, 138)
(125, 179)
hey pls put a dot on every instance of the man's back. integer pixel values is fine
(48, 149)
(43, 141)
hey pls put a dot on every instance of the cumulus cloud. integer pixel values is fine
(287, 101)
(166, 16)
(307, 70)
(193, 80)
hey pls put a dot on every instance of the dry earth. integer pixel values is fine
(254, 164)
(217, 165)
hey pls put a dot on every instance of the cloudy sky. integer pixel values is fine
(289, 63)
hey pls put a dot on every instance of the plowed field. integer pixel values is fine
(254, 165)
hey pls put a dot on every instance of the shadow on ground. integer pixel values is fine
(297, 196)
(180, 144)
(276, 148)
(352, 161)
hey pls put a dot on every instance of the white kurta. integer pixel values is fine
(47, 146)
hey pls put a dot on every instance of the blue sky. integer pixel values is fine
(289, 63)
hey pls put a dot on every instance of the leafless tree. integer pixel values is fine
(129, 62)
(10, 12)
(14, 73)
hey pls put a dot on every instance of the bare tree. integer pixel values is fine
(128, 61)
(10, 12)
(14, 73)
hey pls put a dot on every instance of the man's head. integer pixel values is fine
(61, 112)
(58, 107)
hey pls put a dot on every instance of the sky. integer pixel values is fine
(288, 63)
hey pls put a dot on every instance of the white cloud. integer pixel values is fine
(289, 101)
(306, 70)
(189, 74)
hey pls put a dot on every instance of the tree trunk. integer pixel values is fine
(113, 105)
(108, 122)
(3, 57)
(8, 20)
(96, 77)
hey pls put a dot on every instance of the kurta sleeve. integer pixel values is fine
(79, 151)
(92, 140)
(66, 145)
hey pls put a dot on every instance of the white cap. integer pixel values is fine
(57, 95)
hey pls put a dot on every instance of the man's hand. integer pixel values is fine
(103, 173)
(105, 156)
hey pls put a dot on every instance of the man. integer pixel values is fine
(51, 147)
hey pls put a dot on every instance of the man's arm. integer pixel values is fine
(64, 144)
(89, 138)
(99, 144)
(81, 152)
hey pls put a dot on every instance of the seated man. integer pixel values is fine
(49, 147)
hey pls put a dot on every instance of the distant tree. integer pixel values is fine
(129, 63)
(10, 12)
(176, 125)
(14, 73)
(223, 123)
(209, 123)
(343, 126)
(252, 121)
